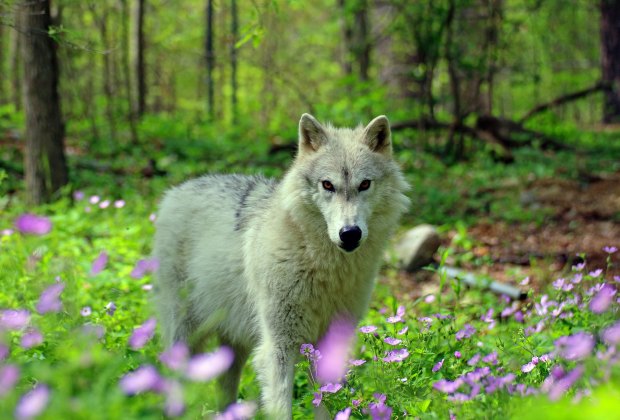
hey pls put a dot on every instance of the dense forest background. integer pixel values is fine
(184, 77)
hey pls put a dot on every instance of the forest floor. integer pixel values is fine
(583, 218)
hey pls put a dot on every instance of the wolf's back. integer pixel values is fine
(199, 245)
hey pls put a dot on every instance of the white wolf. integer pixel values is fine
(267, 266)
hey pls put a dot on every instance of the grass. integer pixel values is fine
(82, 370)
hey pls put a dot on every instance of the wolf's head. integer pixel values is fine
(349, 177)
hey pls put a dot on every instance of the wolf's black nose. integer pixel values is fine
(350, 237)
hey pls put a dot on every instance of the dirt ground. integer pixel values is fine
(584, 218)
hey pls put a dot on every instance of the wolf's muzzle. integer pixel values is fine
(350, 237)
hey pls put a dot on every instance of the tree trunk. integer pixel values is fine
(3, 94)
(140, 63)
(234, 28)
(15, 70)
(126, 66)
(610, 58)
(347, 38)
(210, 59)
(45, 164)
(361, 40)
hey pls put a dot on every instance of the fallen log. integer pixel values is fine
(561, 100)
(481, 282)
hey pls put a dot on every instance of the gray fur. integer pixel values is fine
(259, 263)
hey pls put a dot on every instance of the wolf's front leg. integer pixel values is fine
(275, 364)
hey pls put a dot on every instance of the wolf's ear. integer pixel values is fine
(311, 134)
(378, 136)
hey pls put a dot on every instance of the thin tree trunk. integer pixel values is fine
(453, 147)
(106, 57)
(3, 94)
(45, 163)
(347, 38)
(140, 62)
(234, 28)
(15, 70)
(610, 58)
(210, 59)
(362, 40)
(131, 115)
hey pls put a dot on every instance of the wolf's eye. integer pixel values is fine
(328, 186)
(364, 185)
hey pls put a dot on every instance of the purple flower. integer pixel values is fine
(142, 334)
(9, 374)
(467, 331)
(403, 331)
(119, 204)
(206, 366)
(318, 397)
(611, 335)
(307, 349)
(31, 339)
(104, 204)
(110, 308)
(14, 319)
(344, 414)
(561, 385)
(4, 352)
(393, 319)
(596, 273)
(86, 311)
(174, 405)
(99, 264)
(378, 410)
(145, 378)
(474, 360)
(176, 356)
(528, 367)
(438, 365)
(78, 195)
(49, 301)
(525, 281)
(490, 358)
(429, 299)
(367, 329)
(334, 348)
(94, 199)
(457, 354)
(144, 266)
(357, 362)
(459, 397)
(238, 411)
(577, 278)
(603, 299)
(392, 341)
(331, 388)
(396, 355)
(575, 347)
(32, 403)
(580, 266)
(33, 224)
(446, 386)
(610, 249)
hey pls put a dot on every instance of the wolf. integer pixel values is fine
(266, 266)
